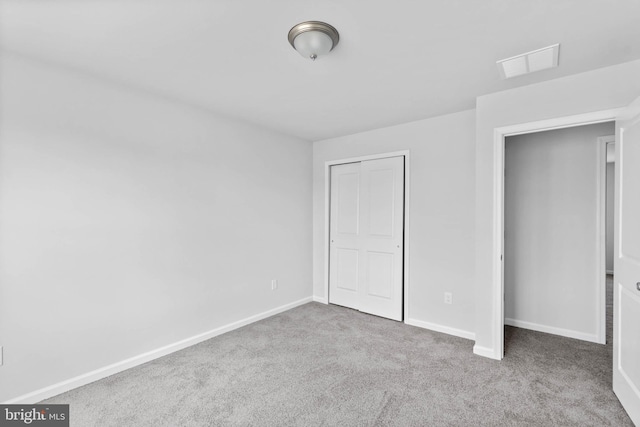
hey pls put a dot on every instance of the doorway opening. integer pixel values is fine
(626, 301)
(610, 185)
(554, 238)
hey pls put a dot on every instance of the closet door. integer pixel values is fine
(381, 238)
(344, 234)
(366, 233)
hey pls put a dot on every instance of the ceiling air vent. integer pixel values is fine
(529, 62)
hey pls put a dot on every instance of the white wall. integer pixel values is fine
(129, 222)
(441, 240)
(597, 90)
(611, 184)
(552, 232)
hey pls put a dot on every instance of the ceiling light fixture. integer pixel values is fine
(313, 38)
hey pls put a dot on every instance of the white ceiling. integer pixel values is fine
(396, 62)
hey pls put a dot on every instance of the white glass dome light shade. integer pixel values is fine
(312, 44)
(313, 38)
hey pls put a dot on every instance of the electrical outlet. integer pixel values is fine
(274, 284)
(448, 298)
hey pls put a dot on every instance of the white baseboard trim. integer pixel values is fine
(553, 330)
(321, 300)
(100, 373)
(440, 328)
(486, 352)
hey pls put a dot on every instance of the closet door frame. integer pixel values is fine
(327, 215)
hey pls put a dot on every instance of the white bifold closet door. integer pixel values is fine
(366, 232)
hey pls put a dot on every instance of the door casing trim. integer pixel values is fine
(499, 135)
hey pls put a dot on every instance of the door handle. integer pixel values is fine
(638, 285)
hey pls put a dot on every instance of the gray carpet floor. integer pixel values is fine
(319, 365)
